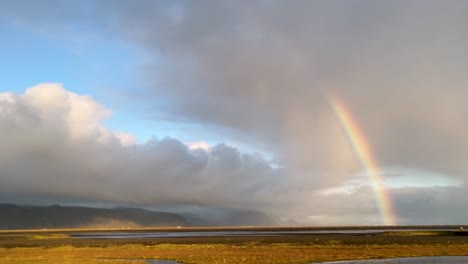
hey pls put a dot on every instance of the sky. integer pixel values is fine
(233, 104)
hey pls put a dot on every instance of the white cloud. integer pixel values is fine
(199, 145)
(78, 115)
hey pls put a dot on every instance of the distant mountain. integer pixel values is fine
(28, 217)
(56, 216)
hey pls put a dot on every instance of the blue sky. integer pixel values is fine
(106, 68)
(86, 63)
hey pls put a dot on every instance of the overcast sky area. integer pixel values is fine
(228, 104)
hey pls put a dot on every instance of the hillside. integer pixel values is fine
(39, 217)
(27, 217)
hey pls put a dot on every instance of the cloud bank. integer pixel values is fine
(55, 145)
(55, 148)
(268, 71)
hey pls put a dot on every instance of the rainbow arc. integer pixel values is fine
(363, 152)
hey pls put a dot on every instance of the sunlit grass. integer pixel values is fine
(418, 233)
(55, 248)
(47, 236)
(223, 253)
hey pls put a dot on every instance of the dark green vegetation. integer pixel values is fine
(52, 247)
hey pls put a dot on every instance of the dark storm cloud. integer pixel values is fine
(268, 69)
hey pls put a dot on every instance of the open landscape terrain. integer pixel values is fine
(292, 246)
(234, 132)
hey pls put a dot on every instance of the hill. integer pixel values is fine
(29, 217)
(39, 217)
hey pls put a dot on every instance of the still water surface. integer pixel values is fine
(221, 233)
(209, 233)
(418, 260)
(162, 262)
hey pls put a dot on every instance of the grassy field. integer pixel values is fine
(53, 247)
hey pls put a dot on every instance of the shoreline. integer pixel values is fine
(239, 228)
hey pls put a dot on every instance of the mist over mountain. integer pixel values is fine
(229, 217)
(56, 216)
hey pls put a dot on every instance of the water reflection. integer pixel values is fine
(223, 233)
(156, 261)
(148, 261)
(417, 260)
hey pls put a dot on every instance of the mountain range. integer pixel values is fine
(56, 216)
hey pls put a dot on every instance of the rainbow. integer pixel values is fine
(364, 153)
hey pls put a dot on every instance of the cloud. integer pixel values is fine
(263, 73)
(412, 205)
(198, 145)
(46, 104)
(266, 72)
(49, 155)
(54, 146)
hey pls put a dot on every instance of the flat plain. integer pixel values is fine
(59, 246)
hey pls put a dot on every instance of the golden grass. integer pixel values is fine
(46, 236)
(67, 261)
(58, 248)
(280, 253)
(418, 233)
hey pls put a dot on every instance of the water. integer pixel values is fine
(150, 261)
(110, 235)
(417, 260)
(211, 234)
(161, 261)
(413, 260)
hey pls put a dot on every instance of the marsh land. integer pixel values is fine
(289, 245)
